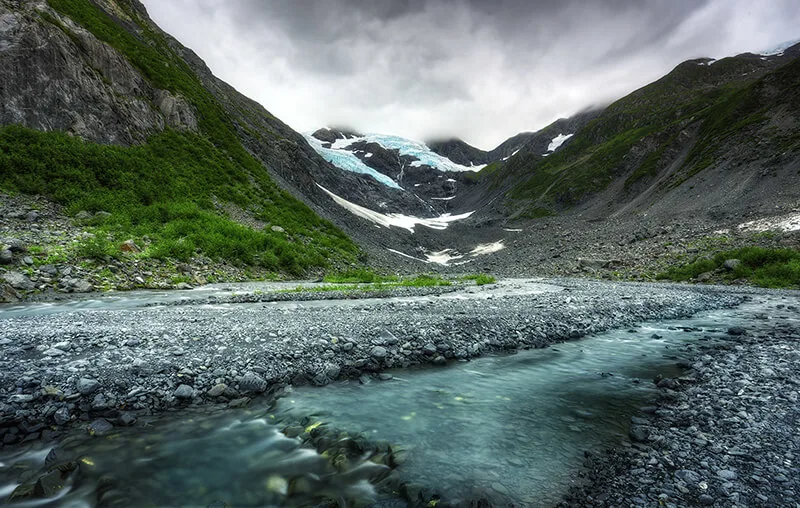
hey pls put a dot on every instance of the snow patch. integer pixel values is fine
(346, 160)
(557, 141)
(513, 154)
(512, 230)
(443, 199)
(451, 257)
(487, 248)
(790, 222)
(395, 219)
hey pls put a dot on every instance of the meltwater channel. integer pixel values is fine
(512, 429)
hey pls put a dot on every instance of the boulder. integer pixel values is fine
(252, 382)
(6, 257)
(129, 246)
(731, 264)
(18, 280)
(184, 392)
(87, 386)
(100, 427)
(14, 244)
(82, 286)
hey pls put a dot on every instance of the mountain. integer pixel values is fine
(111, 118)
(710, 145)
(726, 131)
(102, 111)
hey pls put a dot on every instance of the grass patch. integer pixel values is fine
(480, 279)
(771, 268)
(358, 276)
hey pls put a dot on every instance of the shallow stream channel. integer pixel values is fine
(511, 429)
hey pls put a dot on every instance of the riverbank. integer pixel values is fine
(76, 367)
(725, 434)
(65, 367)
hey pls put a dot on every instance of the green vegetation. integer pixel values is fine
(366, 276)
(359, 276)
(632, 136)
(162, 190)
(481, 279)
(163, 193)
(772, 268)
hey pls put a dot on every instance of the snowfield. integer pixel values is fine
(395, 219)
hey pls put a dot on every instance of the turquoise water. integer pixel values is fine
(510, 428)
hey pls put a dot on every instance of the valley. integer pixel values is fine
(200, 305)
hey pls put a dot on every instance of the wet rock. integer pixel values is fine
(378, 352)
(440, 360)
(62, 416)
(238, 403)
(706, 500)
(100, 427)
(49, 485)
(87, 386)
(736, 331)
(217, 390)
(252, 382)
(639, 434)
(22, 493)
(183, 392)
(127, 419)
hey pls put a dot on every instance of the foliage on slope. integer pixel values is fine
(165, 188)
(639, 135)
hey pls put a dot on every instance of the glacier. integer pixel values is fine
(347, 160)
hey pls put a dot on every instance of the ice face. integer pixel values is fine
(420, 151)
(347, 160)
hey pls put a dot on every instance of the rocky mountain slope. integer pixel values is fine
(101, 111)
(712, 145)
(718, 137)
(117, 123)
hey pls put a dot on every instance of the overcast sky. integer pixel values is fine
(479, 70)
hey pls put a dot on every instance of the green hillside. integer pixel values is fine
(166, 188)
(638, 136)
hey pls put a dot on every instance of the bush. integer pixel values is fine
(774, 268)
(96, 247)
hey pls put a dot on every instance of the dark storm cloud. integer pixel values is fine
(481, 70)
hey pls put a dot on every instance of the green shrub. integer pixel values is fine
(96, 247)
(774, 268)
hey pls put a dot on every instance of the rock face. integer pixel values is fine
(92, 91)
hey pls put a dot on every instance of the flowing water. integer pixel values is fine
(511, 427)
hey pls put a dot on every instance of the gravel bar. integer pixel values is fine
(112, 366)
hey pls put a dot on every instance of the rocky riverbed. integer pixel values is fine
(725, 434)
(65, 367)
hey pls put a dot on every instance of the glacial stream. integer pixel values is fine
(513, 428)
